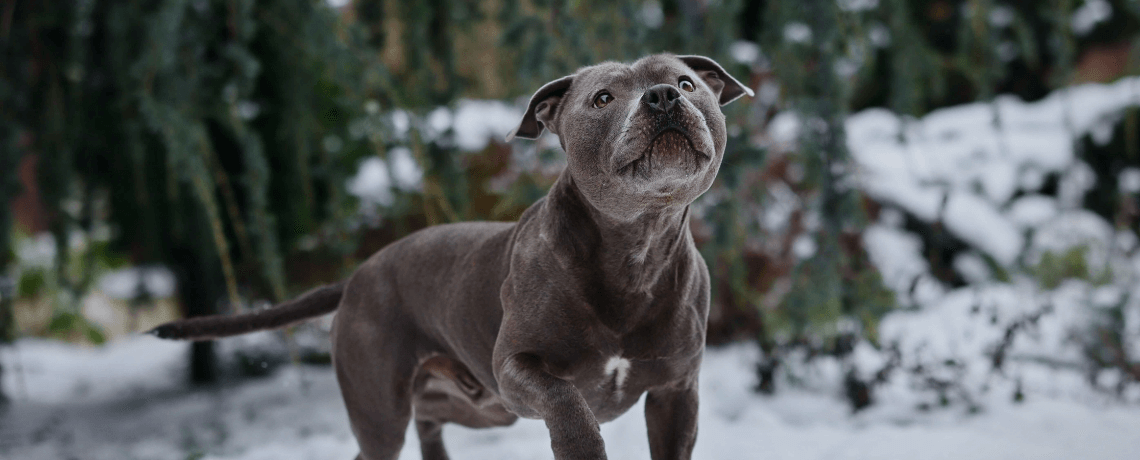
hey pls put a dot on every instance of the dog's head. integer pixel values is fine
(638, 137)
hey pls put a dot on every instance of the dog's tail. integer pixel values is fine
(316, 302)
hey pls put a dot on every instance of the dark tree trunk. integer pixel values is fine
(199, 288)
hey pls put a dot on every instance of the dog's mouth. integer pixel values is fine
(673, 148)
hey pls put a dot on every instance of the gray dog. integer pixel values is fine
(594, 297)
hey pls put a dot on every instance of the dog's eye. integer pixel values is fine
(686, 85)
(602, 100)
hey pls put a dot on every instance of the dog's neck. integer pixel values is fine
(632, 255)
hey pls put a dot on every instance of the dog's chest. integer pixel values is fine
(618, 369)
(617, 381)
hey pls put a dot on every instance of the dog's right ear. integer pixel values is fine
(728, 89)
(541, 110)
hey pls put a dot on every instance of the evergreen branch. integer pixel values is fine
(245, 248)
(200, 179)
(257, 182)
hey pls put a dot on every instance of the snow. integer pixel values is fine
(50, 372)
(1075, 182)
(879, 35)
(473, 122)
(651, 14)
(1001, 16)
(964, 165)
(477, 122)
(744, 52)
(401, 122)
(126, 401)
(973, 268)
(897, 255)
(978, 222)
(857, 5)
(124, 284)
(372, 183)
(1032, 211)
(956, 325)
(797, 32)
(979, 170)
(376, 177)
(39, 250)
(1089, 14)
(1129, 180)
(405, 170)
(471, 125)
(804, 247)
(784, 128)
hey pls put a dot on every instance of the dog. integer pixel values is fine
(596, 296)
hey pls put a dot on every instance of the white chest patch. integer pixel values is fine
(618, 367)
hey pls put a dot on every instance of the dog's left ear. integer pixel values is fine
(726, 87)
(541, 109)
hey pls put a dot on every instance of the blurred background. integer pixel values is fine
(923, 239)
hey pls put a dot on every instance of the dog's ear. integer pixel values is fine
(726, 87)
(541, 110)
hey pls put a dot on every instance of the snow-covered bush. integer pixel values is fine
(1011, 245)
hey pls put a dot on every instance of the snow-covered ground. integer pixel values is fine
(126, 401)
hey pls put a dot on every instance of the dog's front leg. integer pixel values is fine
(530, 391)
(671, 418)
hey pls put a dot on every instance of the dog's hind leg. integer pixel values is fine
(377, 392)
(446, 392)
(378, 397)
(374, 354)
(431, 440)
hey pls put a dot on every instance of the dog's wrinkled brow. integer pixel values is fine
(658, 71)
(655, 70)
(609, 76)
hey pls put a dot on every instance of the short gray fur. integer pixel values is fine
(596, 296)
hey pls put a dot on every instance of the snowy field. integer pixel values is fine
(126, 401)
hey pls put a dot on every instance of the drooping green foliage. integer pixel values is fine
(550, 38)
(196, 126)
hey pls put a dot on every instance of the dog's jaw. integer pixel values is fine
(670, 149)
(654, 147)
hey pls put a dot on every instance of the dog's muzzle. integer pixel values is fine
(667, 134)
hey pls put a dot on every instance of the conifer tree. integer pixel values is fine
(203, 127)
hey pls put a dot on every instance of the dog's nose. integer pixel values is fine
(661, 98)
